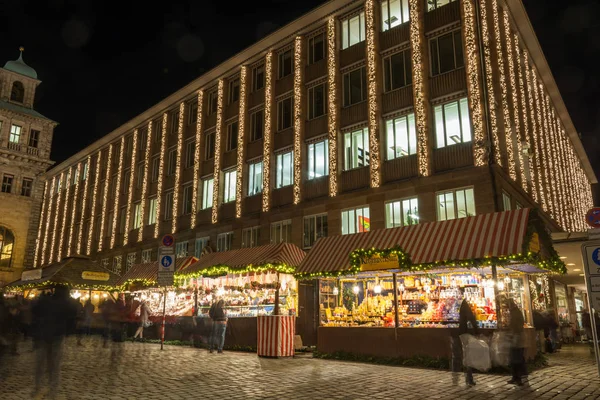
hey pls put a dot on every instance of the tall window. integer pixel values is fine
(401, 136)
(232, 136)
(123, 219)
(146, 256)
(393, 13)
(285, 63)
(284, 114)
(7, 244)
(155, 168)
(174, 122)
(281, 231)
(318, 159)
(446, 53)
(26, 187)
(356, 220)
(7, 183)
(251, 236)
(230, 184)
(125, 181)
(353, 30)
(34, 138)
(285, 169)
(355, 87)
(84, 174)
(188, 191)
(257, 125)
(316, 101)
(137, 219)
(105, 263)
(139, 175)
(192, 115)
(207, 193)
(234, 90)
(199, 245)
(402, 212)
(258, 77)
(356, 149)
(15, 134)
(255, 173)
(224, 241)
(152, 211)
(398, 72)
(211, 106)
(172, 164)
(17, 92)
(433, 4)
(157, 127)
(181, 249)
(168, 206)
(452, 123)
(190, 149)
(117, 264)
(453, 204)
(315, 227)
(130, 261)
(316, 48)
(209, 145)
(506, 202)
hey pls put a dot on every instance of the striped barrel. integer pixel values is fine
(276, 335)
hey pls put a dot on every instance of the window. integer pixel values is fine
(285, 169)
(251, 236)
(446, 53)
(315, 227)
(155, 168)
(234, 90)
(316, 101)
(140, 176)
(212, 103)
(7, 182)
(172, 165)
(157, 127)
(356, 146)
(402, 212)
(193, 113)
(75, 176)
(397, 69)
(168, 206)
(152, 211)
(355, 87)
(257, 125)
(356, 220)
(401, 136)
(318, 159)
(117, 263)
(224, 241)
(433, 4)
(123, 219)
(137, 216)
(393, 13)
(110, 223)
(34, 138)
(255, 177)
(209, 145)
(258, 77)
(15, 134)
(17, 92)
(174, 122)
(232, 136)
(190, 150)
(128, 147)
(284, 114)
(316, 48)
(506, 202)
(285, 63)
(181, 249)
(125, 182)
(26, 187)
(188, 191)
(230, 183)
(7, 244)
(84, 174)
(207, 193)
(281, 232)
(130, 261)
(143, 143)
(201, 243)
(105, 263)
(146, 256)
(353, 30)
(454, 204)
(452, 123)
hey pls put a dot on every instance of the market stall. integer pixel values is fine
(397, 292)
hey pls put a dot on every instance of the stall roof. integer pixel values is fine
(280, 253)
(487, 235)
(148, 271)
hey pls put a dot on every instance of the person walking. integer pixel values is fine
(467, 324)
(144, 320)
(88, 315)
(78, 326)
(517, 345)
(219, 320)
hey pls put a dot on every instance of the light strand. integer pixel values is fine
(74, 210)
(132, 180)
(63, 230)
(105, 197)
(117, 191)
(332, 104)
(143, 198)
(217, 168)
(372, 32)
(268, 134)
(86, 186)
(550, 155)
(44, 260)
(161, 171)
(38, 243)
(568, 208)
(56, 217)
(199, 127)
(539, 137)
(241, 141)
(177, 186)
(90, 233)
(559, 168)
(541, 197)
(298, 116)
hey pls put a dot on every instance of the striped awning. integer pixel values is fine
(148, 271)
(487, 235)
(280, 253)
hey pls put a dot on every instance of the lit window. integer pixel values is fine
(75, 176)
(316, 48)
(284, 114)
(85, 171)
(234, 90)
(146, 256)
(452, 123)
(15, 134)
(402, 212)
(7, 183)
(356, 149)
(224, 241)
(181, 249)
(315, 227)
(255, 173)
(229, 186)
(130, 261)
(433, 4)
(200, 244)
(318, 159)
(393, 13)
(353, 30)
(356, 220)
(207, 193)
(316, 101)
(152, 211)
(209, 145)
(285, 63)
(281, 231)
(172, 164)
(258, 77)
(250, 236)
(397, 70)
(26, 187)
(257, 125)
(137, 216)
(446, 53)
(168, 206)
(188, 191)
(401, 136)
(285, 170)
(34, 138)
(355, 87)
(190, 150)
(232, 136)
(454, 204)
(506, 202)
(117, 263)
(7, 244)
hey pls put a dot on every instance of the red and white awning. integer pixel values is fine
(487, 235)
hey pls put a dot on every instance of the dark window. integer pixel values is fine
(168, 206)
(446, 53)
(155, 169)
(284, 114)
(7, 244)
(212, 103)
(190, 150)
(398, 72)
(34, 138)
(232, 136)
(174, 122)
(316, 48)
(26, 187)
(18, 92)
(193, 113)
(7, 182)
(187, 199)
(355, 86)
(172, 162)
(433, 4)
(209, 146)
(143, 143)
(316, 101)
(257, 125)
(258, 77)
(285, 63)
(157, 127)
(140, 175)
(234, 90)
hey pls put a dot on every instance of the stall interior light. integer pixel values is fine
(76, 294)
(220, 291)
(577, 269)
(563, 257)
(336, 291)
(376, 289)
(96, 296)
(500, 285)
(355, 289)
(570, 264)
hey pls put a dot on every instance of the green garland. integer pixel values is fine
(48, 284)
(222, 269)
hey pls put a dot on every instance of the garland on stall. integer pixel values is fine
(50, 284)
(222, 269)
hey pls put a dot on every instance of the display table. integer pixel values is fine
(276, 335)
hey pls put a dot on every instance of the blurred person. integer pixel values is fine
(552, 330)
(88, 315)
(25, 316)
(586, 323)
(517, 345)
(106, 309)
(144, 320)
(467, 324)
(4, 325)
(78, 323)
(219, 320)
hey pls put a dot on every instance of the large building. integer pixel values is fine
(25, 140)
(359, 115)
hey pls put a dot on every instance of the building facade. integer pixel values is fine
(359, 115)
(25, 141)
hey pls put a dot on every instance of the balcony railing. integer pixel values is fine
(33, 151)
(14, 146)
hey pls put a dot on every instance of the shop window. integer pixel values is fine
(452, 123)
(255, 180)
(117, 264)
(356, 149)
(316, 48)
(17, 93)
(181, 249)
(130, 261)
(356, 220)
(137, 219)
(281, 231)
(315, 227)
(26, 187)
(453, 204)
(7, 183)
(7, 244)
(284, 114)
(232, 136)
(146, 256)
(152, 211)
(192, 114)
(168, 214)
(224, 241)
(251, 236)
(397, 70)
(257, 125)
(188, 192)
(209, 145)
(199, 246)
(402, 212)
(446, 53)
(15, 134)
(211, 105)
(506, 202)
(285, 169)
(234, 90)
(433, 4)
(393, 13)
(155, 169)
(355, 86)
(285, 63)
(190, 151)
(353, 30)
(34, 138)
(258, 77)
(229, 190)
(316, 101)
(401, 136)
(207, 193)
(318, 159)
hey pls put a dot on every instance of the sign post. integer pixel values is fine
(591, 261)
(166, 270)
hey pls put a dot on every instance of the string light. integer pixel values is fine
(56, 217)
(144, 182)
(267, 137)
(372, 32)
(332, 104)
(176, 187)
(105, 197)
(41, 225)
(63, 231)
(48, 219)
(556, 188)
(74, 210)
(87, 170)
(417, 32)
(218, 132)
(538, 139)
(559, 167)
(240, 141)
(117, 191)
(161, 171)
(564, 174)
(93, 206)
(541, 197)
(197, 159)
(473, 79)
(132, 179)
(298, 116)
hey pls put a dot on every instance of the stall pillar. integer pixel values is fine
(497, 300)
(276, 309)
(395, 282)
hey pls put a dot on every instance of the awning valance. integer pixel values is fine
(147, 272)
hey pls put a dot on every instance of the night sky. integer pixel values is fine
(102, 63)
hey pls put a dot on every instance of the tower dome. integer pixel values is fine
(20, 67)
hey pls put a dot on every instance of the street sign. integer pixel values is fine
(165, 278)
(590, 252)
(166, 262)
(593, 217)
(166, 254)
(168, 240)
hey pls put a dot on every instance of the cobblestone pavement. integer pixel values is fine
(143, 371)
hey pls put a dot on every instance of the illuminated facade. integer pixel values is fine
(367, 115)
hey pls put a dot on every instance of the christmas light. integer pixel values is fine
(332, 104)
(298, 116)
(38, 243)
(62, 232)
(240, 141)
(84, 204)
(419, 76)
(132, 179)
(563, 140)
(177, 186)
(56, 217)
(144, 182)
(90, 232)
(105, 197)
(558, 149)
(372, 32)
(267, 137)
(218, 132)
(539, 140)
(552, 156)
(117, 191)
(74, 209)
(541, 196)
(161, 172)
(199, 128)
